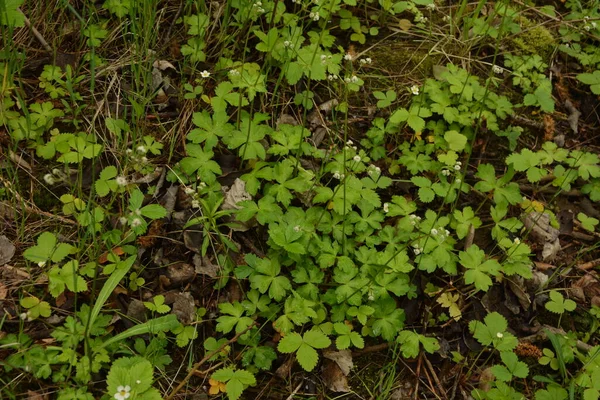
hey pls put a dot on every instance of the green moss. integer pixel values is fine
(533, 39)
(400, 58)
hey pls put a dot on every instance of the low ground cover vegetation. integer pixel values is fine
(371, 199)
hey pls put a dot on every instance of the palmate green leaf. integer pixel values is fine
(201, 162)
(304, 346)
(492, 331)
(456, 141)
(235, 381)
(478, 271)
(558, 304)
(10, 15)
(592, 79)
(48, 249)
(588, 223)
(135, 372)
(235, 319)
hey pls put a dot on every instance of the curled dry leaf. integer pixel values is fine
(203, 266)
(334, 378)
(543, 233)
(7, 250)
(343, 358)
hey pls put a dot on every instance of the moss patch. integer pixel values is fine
(533, 39)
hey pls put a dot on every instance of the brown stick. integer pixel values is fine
(205, 359)
(589, 265)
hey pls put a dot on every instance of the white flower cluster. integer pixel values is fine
(139, 156)
(417, 249)
(373, 170)
(414, 219)
(366, 60)
(56, 176)
(194, 194)
(325, 58)
(258, 7)
(332, 77)
(440, 233)
(497, 69)
(348, 57)
(350, 145)
(337, 175)
(430, 6)
(314, 16)
(457, 166)
(420, 19)
(353, 79)
(590, 26)
(235, 72)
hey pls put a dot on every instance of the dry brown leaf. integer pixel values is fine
(334, 378)
(343, 358)
(203, 266)
(405, 24)
(7, 250)
(3, 291)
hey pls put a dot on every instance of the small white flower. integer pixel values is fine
(138, 381)
(414, 89)
(458, 180)
(356, 158)
(337, 175)
(499, 335)
(446, 18)
(587, 27)
(201, 185)
(363, 61)
(205, 74)
(332, 77)
(378, 170)
(258, 3)
(23, 316)
(594, 25)
(585, 18)
(128, 151)
(41, 264)
(56, 172)
(517, 241)
(234, 72)
(121, 181)
(49, 178)
(348, 57)
(297, 228)
(446, 172)
(136, 222)
(123, 392)
(138, 212)
(349, 142)
(371, 297)
(287, 43)
(123, 220)
(434, 231)
(188, 190)
(323, 59)
(347, 80)
(420, 19)
(386, 207)
(457, 167)
(314, 16)
(260, 10)
(368, 60)
(353, 79)
(447, 232)
(144, 160)
(141, 149)
(430, 6)
(195, 204)
(418, 250)
(458, 163)
(497, 69)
